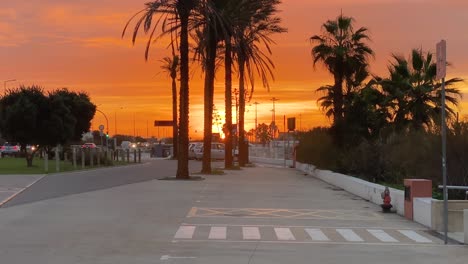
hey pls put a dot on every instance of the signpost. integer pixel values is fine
(101, 129)
(441, 53)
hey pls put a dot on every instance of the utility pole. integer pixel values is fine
(273, 119)
(134, 127)
(256, 120)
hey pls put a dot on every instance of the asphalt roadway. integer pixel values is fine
(259, 215)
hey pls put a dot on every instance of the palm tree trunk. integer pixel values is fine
(182, 161)
(228, 105)
(209, 100)
(242, 147)
(338, 119)
(174, 118)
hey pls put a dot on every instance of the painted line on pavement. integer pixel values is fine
(217, 232)
(316, 242)
(185, 232)
(349, 235)
(284, 234)
(327, 227)
(251, 233)
(316, 234)
(20, 191)
(381, 235)
(415, 236)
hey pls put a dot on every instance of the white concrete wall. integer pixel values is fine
(366, 190)
(278, 162)
(422, 211)
(465, 221)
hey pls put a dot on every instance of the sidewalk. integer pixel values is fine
(11, 185)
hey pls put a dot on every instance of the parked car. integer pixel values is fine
(89, 145)
(10, 149)
(192, 147)
(217, 151)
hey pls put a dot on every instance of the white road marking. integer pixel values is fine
(349, 235)
(185, 232)
(218, 232)
(415, 236)
(382, 235)
(250, 232)
(316, 234)
(284, 233)
(167, 257)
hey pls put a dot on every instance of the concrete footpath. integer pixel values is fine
(11, 185)
(257, 215)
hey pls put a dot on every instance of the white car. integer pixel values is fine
(217, 151)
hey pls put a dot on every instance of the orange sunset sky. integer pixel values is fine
(77, 44)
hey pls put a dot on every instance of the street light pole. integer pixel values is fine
(107, 124)
(274, 99)
(5, 83)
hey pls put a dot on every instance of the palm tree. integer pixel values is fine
(342, 51)
(415, 94)
(172, 17)
(171, 66)
(256, 25)
(211, 30)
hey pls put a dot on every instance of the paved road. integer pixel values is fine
(256, 215)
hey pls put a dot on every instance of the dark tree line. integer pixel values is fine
(30, 116)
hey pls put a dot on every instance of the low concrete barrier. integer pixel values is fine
(465, 220)
(456, 217)
(422, 211)
(279, 162)
(366, 190)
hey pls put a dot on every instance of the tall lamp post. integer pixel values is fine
(107, 126)
(5, 85)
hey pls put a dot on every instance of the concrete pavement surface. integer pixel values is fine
(255, 215)
(11, 185)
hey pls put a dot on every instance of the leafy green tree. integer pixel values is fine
(342, 51)
(22, 111)
(171, 17)
(80, 107)
(263, 134)
(30, 117)
(414, 94)
(171, 67)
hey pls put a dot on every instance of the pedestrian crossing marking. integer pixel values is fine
(415, 236)
(185, 232)
(316, 234)
(349, 235)
(381, 235)
(284, 233)
(251, 233)
(217, 232)
(304, 234)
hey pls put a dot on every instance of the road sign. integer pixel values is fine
(101, 128)
(163, 123)
(441, 53)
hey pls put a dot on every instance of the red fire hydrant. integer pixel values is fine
(386, 206)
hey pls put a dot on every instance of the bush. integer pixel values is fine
(316, 147)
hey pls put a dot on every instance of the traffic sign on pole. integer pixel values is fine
(441, 53)
(441, 48)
